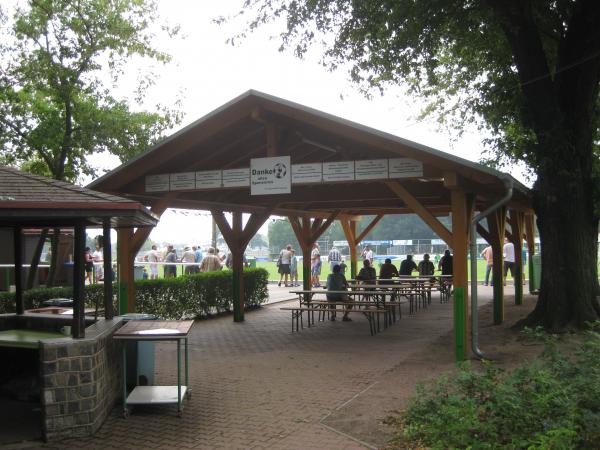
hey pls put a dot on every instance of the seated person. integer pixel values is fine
(407, 266)
(426, 267)
(336, 281)
(387, 270)
(367, 274)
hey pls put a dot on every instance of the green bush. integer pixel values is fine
(550, 403)
(189, 296)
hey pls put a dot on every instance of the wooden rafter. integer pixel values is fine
(421, 210)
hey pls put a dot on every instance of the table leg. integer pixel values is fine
(124, 362)
(179, 377)
(187, 369)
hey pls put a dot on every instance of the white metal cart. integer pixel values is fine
(143, 330)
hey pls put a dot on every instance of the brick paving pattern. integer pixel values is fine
(257, 385)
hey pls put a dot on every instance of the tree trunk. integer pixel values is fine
(563, 200)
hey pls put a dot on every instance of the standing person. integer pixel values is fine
(445, 264)
(367, 253)
(197, 257)
(387, 270)
(334, 258)
(285, 257)
(367, 274)
(488, 255)
(336, 281)
(153, 259)
(509, 259)
(210, 262)
(189, 257)
(89, 264)
(294, 269)
(98, 256)
(407, 266)
(343, 266)
(426, 267)
(171, 258)
(315, 268)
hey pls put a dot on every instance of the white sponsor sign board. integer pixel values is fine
(183, 181)
(307, 173)
(402, 242)
(405, 168)
(340, 243)
(371, 169)
(208, 179)
(157, 183)
(338, 171)
(236, 177)
(270, 175)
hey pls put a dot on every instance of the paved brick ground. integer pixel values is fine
(258, 386)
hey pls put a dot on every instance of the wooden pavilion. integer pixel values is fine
(264, 156)
(30, 201)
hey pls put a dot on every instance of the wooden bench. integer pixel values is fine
(297, 315)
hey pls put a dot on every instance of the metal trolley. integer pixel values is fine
(137, 330)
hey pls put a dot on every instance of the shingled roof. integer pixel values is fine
(31, 200)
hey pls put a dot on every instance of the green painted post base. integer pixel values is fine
(306, 278)
(238, 312)
(532, 280)
(460, 351)
(498, 303)
(518, 281)
(123, 298)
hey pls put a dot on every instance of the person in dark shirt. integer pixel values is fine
(426, 267)
(367, 274)
(407, 266)
(445, 264)
(387, 270)
(336, 281)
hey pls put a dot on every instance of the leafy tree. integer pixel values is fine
(525, 71)
(259, 240)
(59, 61)
(55, 107)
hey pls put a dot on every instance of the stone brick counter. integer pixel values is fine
(80, 381)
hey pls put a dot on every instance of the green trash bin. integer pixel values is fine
(535, 273)
(251, 263)
(140, 356)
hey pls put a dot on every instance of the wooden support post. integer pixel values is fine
(237, 238)
(307, 234)
(517, 225)
(78, 324)
(349, 227)
(108, 272)
(496, 224)
(460, 232)
(125, 265)
(18, 253)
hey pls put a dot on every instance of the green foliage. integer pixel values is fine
(55, 106)
(189, 296)
(550, 403)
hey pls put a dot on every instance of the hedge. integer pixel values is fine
(189, 296)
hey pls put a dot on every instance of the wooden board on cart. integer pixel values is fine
(154, 329)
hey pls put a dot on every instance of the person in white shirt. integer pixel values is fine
(153, 259)
(509, 258)
(189, 257)
(368, 254)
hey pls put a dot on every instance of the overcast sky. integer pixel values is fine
(206, 72)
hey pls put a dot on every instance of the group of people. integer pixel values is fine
(508, 255)
(287, 266)
(195, 260)
(93, 261)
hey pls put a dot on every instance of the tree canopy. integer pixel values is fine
(60, 63)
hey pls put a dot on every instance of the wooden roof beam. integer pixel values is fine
(421, 211)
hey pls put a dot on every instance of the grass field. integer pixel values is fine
(271, 267)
